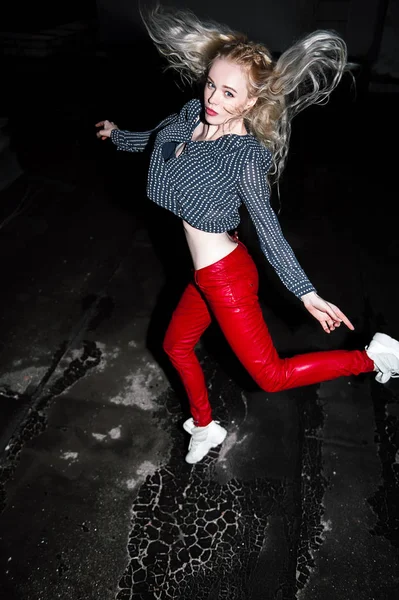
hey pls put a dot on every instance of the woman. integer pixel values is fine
(207, 160)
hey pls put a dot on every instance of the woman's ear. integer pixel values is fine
(250, 103)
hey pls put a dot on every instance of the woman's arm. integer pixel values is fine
(254, 192)
(130, 141)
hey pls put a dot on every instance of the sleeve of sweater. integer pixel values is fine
(254, 192)
(136, 141)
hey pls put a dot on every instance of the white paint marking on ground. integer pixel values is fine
(145, 469)
(19, 380)
(115, 433)
(142, 387)
(327, 525)
(70, 456)
(228, 444)
(107, 356)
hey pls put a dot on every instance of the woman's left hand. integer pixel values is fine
(329, 315)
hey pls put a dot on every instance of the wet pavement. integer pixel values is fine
(97, 502)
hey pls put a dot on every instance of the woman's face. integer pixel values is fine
(225, 93)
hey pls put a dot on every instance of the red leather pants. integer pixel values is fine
(228, 290)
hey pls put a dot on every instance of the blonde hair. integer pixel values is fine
(304, 74)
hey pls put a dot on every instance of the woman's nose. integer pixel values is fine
(213, 98)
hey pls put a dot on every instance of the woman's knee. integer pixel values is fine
(271, 379)
(270, 386)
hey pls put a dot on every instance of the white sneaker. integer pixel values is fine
(189, 425)
(202, 439)
(384, 351)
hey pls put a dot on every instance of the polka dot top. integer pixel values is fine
(208, 181)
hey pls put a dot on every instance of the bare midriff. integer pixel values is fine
(207, 248)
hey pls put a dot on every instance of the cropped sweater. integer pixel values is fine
(206, 184)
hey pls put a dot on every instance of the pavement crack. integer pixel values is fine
(35, 421)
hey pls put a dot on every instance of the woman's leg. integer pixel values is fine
(189, 320)
(230, 287)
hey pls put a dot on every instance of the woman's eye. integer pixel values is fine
(212, 85)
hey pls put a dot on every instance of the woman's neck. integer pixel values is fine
(212, 132)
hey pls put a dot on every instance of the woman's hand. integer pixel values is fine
(106, 128)
(329, 315)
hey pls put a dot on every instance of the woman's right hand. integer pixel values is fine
(329, 315)
(106, 128)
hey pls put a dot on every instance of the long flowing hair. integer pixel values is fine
(304, 74)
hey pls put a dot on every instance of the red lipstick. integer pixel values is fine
(210, 112)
